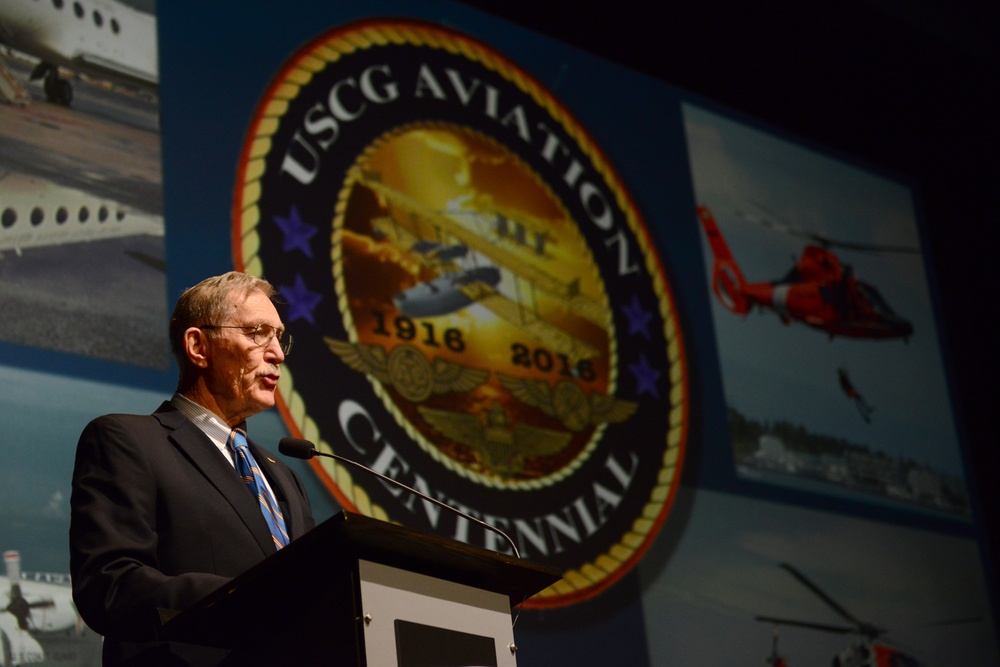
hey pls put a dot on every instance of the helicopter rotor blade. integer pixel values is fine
(950, 621)
(865, 247)
(778, 223)
(859, 626)
(824, 627)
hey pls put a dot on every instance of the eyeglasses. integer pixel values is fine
(263, 334)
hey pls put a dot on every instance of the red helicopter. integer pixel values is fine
(818, 291)
(866, 653)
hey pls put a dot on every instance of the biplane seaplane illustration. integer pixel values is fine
(469, 262)
(819, 290)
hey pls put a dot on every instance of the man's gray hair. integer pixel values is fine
(210, 302)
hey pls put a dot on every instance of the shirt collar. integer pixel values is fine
(206, 420)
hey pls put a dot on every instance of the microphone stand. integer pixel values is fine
(303, 449)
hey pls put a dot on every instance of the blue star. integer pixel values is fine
(638, 318)
(645, 376)
(301, 302)
(297, 233)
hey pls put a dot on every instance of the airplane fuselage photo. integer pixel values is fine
(101, 38)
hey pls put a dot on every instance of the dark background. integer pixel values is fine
(912, 87)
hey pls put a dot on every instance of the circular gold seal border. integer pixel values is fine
(589, 579)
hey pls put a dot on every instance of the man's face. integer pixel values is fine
(242, 376)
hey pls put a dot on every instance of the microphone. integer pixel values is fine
(303, 449)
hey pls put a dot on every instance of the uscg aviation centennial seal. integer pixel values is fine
(477, 306)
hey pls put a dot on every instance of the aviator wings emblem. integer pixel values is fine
(567, 402)
(407, 370)
(497, 445)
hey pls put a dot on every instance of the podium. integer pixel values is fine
(359, 591)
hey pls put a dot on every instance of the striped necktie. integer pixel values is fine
(246, 466)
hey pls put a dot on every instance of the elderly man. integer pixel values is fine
(167, 507)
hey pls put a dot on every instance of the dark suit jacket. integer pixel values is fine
(159, 520)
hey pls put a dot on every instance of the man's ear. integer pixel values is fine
(196, 346)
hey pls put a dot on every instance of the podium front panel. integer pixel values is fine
(413, 620)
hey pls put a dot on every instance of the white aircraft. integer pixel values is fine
(101, 38)
(39, 623)
(36, 213)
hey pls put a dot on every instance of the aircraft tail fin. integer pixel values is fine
(728, 282)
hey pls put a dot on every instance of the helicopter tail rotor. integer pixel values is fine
(728, 282)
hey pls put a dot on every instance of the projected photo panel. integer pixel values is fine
(82, 255)
(827, 339)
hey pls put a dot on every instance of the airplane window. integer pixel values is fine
(98, 19)
(84, 214)
(8, 218)
(119, 215)
(115, 28)
(102, 214)
(58, 4)
(37, 216)
(78, 10)
(62, 215)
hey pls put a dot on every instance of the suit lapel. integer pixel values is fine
(210, 462)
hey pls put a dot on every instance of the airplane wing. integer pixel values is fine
(567, 292)
(549, 335)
